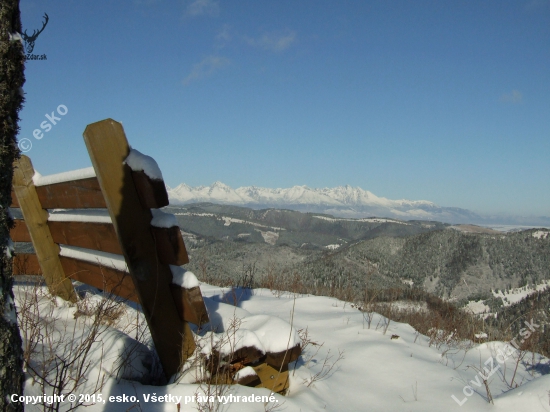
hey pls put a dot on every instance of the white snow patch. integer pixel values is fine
(366, 219)
(9, 310)
(110, 260)
(383, 220)
(225, 345)
(79, 174)
(332, 247)
(163, 219)
(510, 228)
(79, 215)
(541, 234)
(331, 219)
(263, 332)
(113, 352)
(275, 334)
(477, 307)
(195, 214)
(244, 372)
(183, 277)
(406, 305)
(517, 294)
(393, 368)
(139, 162)
(269, 236)
(228, 220)
(16, 37)
(10, 248)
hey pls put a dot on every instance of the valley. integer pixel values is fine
(467, 266)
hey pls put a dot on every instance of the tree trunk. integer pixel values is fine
(11, 100)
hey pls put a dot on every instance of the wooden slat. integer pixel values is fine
(108, 149)
(282, 359)
(36, 219)
(26, 264)
(101, 277)
(234, 361)
(104, 278)
(19, 232)
(75, 194)
(170, 246)
(271, 378)
(152, 193)
(89, 235)
(246, 355)
(190, 304)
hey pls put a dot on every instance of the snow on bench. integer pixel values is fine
(110, 260)
(79, 215)
(69, 176)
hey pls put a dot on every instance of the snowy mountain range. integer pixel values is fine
(341, 201)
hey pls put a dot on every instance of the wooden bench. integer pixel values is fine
(108, 235)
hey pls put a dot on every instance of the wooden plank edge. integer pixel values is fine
(89, 235)
(101, 277)
(271, 378)
(170, 246)
(36, 219)
(190, 305)
(108, 149)
(152, 193)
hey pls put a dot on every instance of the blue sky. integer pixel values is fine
(447, 101)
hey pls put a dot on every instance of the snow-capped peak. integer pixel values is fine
(298, 195)
(343, 201)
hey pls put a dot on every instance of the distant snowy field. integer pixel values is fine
(510, 228)
(515, 295)
(377, 373)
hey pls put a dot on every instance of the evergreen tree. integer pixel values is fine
(11, 100)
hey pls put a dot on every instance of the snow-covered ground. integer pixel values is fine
(510, 228)
(366, 219)
(517, 294)
(228, 220)
(477, 307)
(395, 371)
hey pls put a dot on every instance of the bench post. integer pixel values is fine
(36, 220)
(108, 148)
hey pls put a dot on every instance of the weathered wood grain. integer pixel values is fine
(36, 220)
(108, 149)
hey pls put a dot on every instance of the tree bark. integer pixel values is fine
(12, 77)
